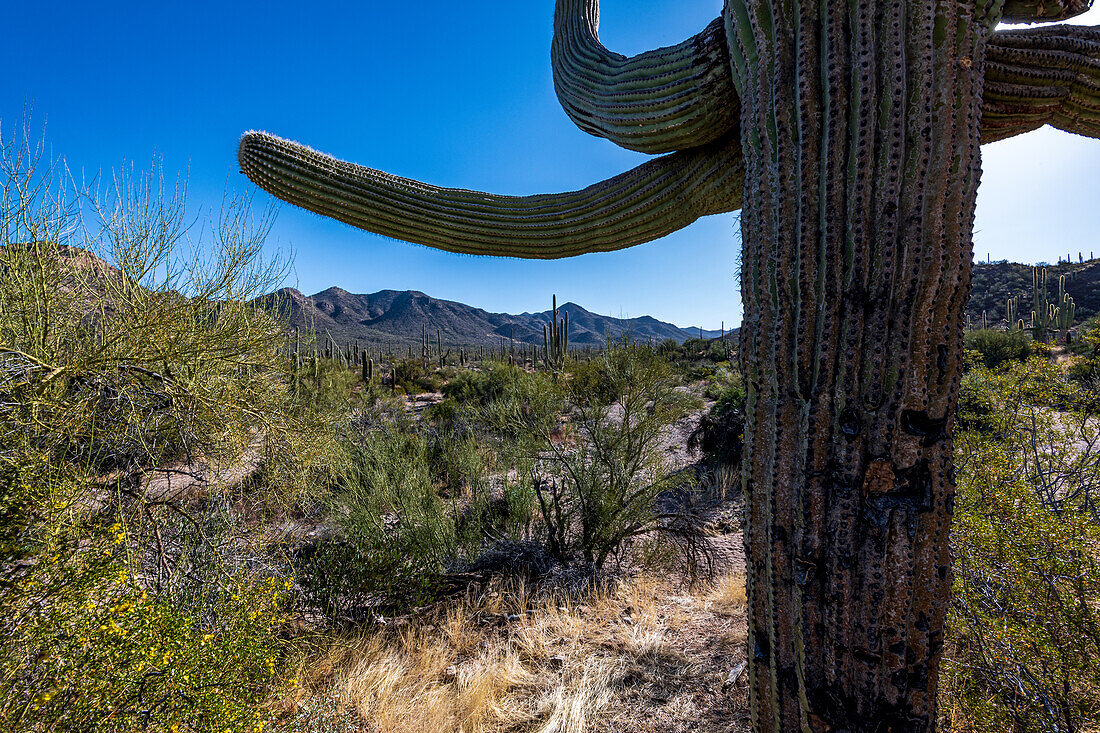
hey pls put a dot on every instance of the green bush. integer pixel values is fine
(1085, 368)
(721, 431)
(597, 476)
(111, 616)
(87, 644)
(999, 347)
(413, 505)
(1024, 629)
(323, 384)
(479, 388)
(414, 378)
(1023, 634)
(977, 408)
(594, 380)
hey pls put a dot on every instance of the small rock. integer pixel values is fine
(735, 673)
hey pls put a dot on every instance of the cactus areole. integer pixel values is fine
(848, 132)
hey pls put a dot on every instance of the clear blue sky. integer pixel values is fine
(457, 94)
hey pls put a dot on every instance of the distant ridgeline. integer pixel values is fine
(397, 318)
(995, 283)
(391, 317)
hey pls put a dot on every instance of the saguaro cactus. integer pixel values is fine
(848, 133)
(555, 339)
(368, 369)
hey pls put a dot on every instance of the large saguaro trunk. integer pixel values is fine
(860, 124)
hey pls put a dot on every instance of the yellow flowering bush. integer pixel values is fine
(84, 645)
(127, 344)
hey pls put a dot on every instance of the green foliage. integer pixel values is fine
(493, 382)
(413, 505)
(323, 384)
(700, 359)
(414, 377)
(597, 477)
(977, 405)
(998, 347)
(721, 431)
(87, 644)
(113, 617)
(1023, 649)
(595, 381)
(617, 472)
(1085, 369)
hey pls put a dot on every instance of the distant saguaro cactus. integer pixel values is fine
(555, 339)
(368, 369)
(849, 135)
(1050, 318)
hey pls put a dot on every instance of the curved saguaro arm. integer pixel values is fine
(656, 102)
(646, 203)
(678, 98)
(1043, 11)
(1042, 76)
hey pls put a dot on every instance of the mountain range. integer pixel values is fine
(393, 316)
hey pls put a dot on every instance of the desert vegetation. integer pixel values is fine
(212, 522)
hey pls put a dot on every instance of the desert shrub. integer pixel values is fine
(413, 506)
(394, 513)
(994, 399)
(492, 382)
(323, 384)
(86, 647)
(617, 471)
(596, 478)
(595, 381)
(977, 408)
(668, 348)
(109, 368)
(1024, 639)
(1023, 642)
(999, 347)
(88, 641)
(720, 434)
(414, 377)
(1084, 370)
(1087, 337)
(724, 381)
(522, 417)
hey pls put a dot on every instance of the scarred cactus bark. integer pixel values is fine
(848, 131)
(862, 128)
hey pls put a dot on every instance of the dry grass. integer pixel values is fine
(727, 597)
(636, 658)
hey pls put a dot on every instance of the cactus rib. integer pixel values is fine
(669, 99)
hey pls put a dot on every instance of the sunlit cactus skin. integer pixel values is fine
(849, 134)
(655, 199)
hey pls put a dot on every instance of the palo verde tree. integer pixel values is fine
(848, 132)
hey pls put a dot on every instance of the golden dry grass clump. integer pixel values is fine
(638, 657)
